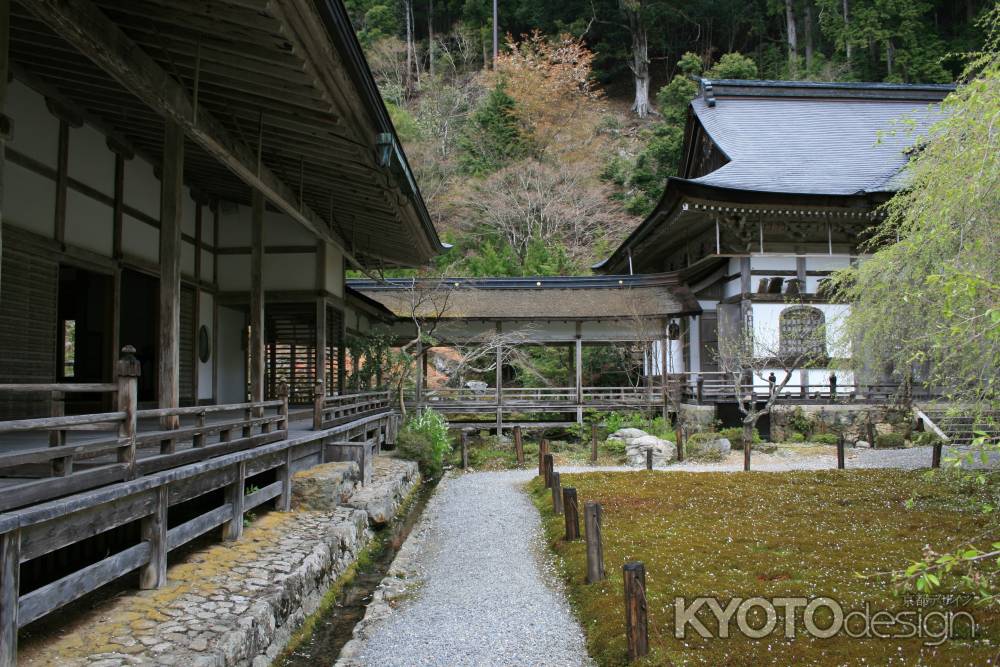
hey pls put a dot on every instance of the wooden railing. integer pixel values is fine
(330, 411)
(32, 532)
(541, 395)
(718, 387)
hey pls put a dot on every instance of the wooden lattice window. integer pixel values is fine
(801, 332)
(290, 334)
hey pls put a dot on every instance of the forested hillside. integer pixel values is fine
(539, 162)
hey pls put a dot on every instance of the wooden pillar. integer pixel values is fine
(664, 365)
(154, 531)
(62, 183)
(257, 299)
(578, 368)
(171, 190)
(10, 585)
(321, 360)
(5, 132)
(499, 381)
(419, 389)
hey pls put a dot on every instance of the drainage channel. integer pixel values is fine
(335, 626)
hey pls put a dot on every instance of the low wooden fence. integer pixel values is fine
(83, 496)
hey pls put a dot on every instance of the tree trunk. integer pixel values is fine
(847, 31)
(640, 55)
(430, 37)
(808, 24)
(793, 38)
(889, 53)
(747, 442)
(408, 79)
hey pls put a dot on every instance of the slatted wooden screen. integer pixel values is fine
(28, 313)
(334, 341)
(290, 341)
(187, 343)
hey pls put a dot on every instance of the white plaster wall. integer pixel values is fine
(287, 271)
(89, 223)
(187, 259)
(817, 378)
(232, 368)
(140, 239)
(207, 264)
(732, 287)
(205, 368)
(694, 333)
(142, 188)
(234, 226)
(828, 263)
(234, 272)
(766, 327)
(90, 160)
(36, 131)
(279, 229)
(189, 214)
(29, 201)
(334, 271)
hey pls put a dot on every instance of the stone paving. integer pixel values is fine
(231, 603)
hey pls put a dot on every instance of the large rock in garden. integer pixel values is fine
(664, 451)
(627, 434)
(322, 488)
(722, 446)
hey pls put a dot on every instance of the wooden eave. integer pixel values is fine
(268, 77)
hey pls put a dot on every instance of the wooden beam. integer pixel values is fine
(171, 212)
(257, 299)
(92, 33)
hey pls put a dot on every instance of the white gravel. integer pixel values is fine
(489, 596)
(488, 593)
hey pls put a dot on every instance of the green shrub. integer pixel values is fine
(800, 422)
(424, 439)
(926, 439)
(735, 436)
(796, 437)
(889, 440)
(614, 447)
(825, 438)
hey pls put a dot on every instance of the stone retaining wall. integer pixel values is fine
(233, 603)
(851, 420)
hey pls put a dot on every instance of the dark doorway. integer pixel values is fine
(86, 313)
(139, 323)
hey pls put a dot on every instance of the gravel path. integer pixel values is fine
(489, 596)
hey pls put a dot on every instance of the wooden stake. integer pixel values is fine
(840, 451)
(636, 622)
(936, 455)
(649, 459)
(572, 512)
(595, 549)
(593, 443)
(680, 442)
(543, 449)
(518, 447)
(557, 504)
(548, 468)
(464, 438)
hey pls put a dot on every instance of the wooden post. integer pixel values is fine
(154, 531)
(578, 368)
(5, 133)
(57, 409)
(543, 449)
(198, 440)
(700, 389)
(636, 621)
(284, 503)
(593, 442)
(319, 398)
(518, 446)
(595, 549)
(233, 529)
(549, 469)
(840, 451)
(649, 459)
(557, 504)
(257, 298)
(171, 213)
(128, 395)
(499, 381)
(10, 587)
(936, 455)
(871, 433)
(283, 408)
(664, 365)
(572, 512)
(419, 383)
(464, 438)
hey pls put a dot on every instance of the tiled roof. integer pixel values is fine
(831, 139)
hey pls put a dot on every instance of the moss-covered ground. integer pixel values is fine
(822, 533)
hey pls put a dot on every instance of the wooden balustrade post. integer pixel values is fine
(283, 408)
(319, 397)
(595, 548)
(248, 415)
(198, 440)
(233, 529)
(128, 396)
(593, 442)
(548, 466)
(557, 504)
(572, 513)
(57, 408)
(636, 620)
(284, 503)
(10, 591)
(840, 451)
(518, 447)
(154, 531)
